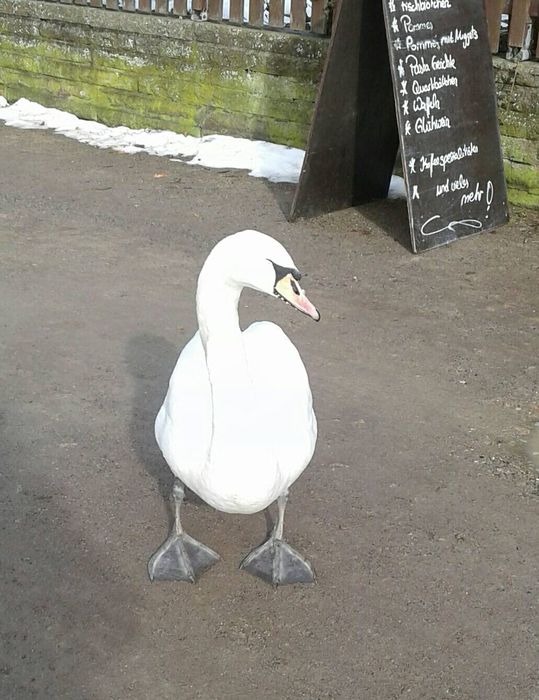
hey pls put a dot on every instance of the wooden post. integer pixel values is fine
(276, 13)
(236, 11)
(256, 13)
(318, 16)
(494, 9)
(520, 16)
(179, 8)
(161, 7)
(215, 9)
(297, 14)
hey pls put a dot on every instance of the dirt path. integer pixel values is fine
(418, 510)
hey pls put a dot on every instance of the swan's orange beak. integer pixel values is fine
(288, 289)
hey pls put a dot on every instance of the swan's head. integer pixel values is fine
(256, 260)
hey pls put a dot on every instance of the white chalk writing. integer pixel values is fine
(460, 36)
(421, 44)
(418, 66)
(431, 161)
(452, 226)
(461, 183)
(426, 104)
(424, 125)
(423, 5)
(411, 27)
(434, 83)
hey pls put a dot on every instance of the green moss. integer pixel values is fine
(39, 62)
(137, 120)
(523, 199)
(520, 150)
(259, 127)
(191, 97)
(523, 177)
(519, 125)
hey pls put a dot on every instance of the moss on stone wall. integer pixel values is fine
(159, 72)
(517, 86)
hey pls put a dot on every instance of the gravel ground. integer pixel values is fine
(419, 510)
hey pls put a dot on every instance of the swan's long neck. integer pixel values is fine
(232, 391)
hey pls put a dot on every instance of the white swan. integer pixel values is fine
(237, 425)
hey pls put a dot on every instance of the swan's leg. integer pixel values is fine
(275, 561)
(180, 558)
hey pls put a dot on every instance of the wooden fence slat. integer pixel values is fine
(236, 11)
(144, 6)
(80, 2)
(215, 9)
(179, 7)
(494, 9)
(297, 14)
(95, 3)
(520, 16)
(276, 13)
(128, 6)
(161, 7)
(256, 12)
(111, 4)
(318, 16)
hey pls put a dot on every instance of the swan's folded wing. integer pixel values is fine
(283, 394)
(183, 424)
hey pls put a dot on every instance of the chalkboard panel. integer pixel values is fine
(445, 102)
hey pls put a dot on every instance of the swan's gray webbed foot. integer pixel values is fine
(180, 558)
(277, 562)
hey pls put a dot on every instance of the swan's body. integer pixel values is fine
(237, 425)
(269, 433)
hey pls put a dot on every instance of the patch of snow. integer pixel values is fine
(262, 159)
(397, 188)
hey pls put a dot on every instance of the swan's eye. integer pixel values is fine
(294, 287)
(281, 272)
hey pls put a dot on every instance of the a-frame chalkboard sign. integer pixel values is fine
(418, 72)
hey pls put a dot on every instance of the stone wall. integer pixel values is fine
(517, 86)
(198, 78)
(159, 72)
